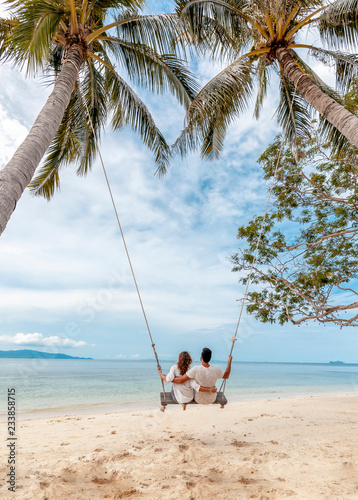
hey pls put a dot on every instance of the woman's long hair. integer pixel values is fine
(184, 361)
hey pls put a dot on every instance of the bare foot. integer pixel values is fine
(184, 406)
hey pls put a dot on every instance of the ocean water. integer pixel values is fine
(75, 385)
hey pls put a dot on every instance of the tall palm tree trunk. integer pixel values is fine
(335, 113)
(17, 174)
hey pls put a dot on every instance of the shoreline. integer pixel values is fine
(104, 408)
(302, 447)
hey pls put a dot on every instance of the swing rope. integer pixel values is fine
(234, 338)
(121, 230)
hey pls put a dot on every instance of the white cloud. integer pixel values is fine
(59, 259)
(63, 262)
(12, 133)
(37, 339)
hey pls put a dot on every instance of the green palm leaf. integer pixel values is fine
(346, 65)
(32, 36)
(262, 81)
(338, 24)
(64, 149)
(159, 32)
(128, 109)
(223, 98)
(157, 72)
(292, 112)
(227, 14)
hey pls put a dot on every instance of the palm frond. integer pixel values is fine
(338, 24)
(160, 32)
(64, 149)
(217, 104)
(229, 14)
(346, 65)
(263, 80)
(128, 108)
(292, 112)
(55, 59)
(157, 72)
(74, 141)
(169, 32)
(6, 29)
(32, 37)
(213, 140)
(212, 40)
(103, 5)
(94, 93)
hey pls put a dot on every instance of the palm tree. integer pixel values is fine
(78, 42)
(261, 37)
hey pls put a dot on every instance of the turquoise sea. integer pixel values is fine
(59, 386)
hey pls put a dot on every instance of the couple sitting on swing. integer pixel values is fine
(196, 383)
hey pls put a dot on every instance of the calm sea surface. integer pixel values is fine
(59, 385)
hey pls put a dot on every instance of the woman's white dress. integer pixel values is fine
(183, 393)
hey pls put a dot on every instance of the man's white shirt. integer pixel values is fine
(206, 377)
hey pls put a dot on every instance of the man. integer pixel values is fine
(206, 376)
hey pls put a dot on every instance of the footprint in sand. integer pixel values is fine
(239, 444)
(97, 480)
(246, 480)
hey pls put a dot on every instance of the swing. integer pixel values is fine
(166, 398)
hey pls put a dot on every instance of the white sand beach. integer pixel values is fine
(304, 448)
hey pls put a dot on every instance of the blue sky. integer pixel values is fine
(65, 282)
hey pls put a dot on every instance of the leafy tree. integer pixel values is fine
(307, 261)
(83, 41)
(261, 38)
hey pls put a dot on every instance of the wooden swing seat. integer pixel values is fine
(167, 399)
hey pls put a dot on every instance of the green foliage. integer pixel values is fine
(338, 24)
(41, 34)
(216, 105)
(253, 31)
(307, 261)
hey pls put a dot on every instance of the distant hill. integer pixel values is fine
(28, 353)
(341, 363)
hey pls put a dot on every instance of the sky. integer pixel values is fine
(65, 283)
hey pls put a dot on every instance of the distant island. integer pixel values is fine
(341, 363)
(28, 353)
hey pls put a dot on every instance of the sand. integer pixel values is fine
(302, 448)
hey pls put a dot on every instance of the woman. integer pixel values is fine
(183, 393)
